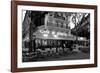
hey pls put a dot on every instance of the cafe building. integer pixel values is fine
(48, 33)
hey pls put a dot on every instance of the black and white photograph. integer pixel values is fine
(55, 36)
(50, 36)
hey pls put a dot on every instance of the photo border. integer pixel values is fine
(14, 34)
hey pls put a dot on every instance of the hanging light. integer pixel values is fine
(81, 38)
(55, 36)
(45, 35)
(41, 31)
(53, 32)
